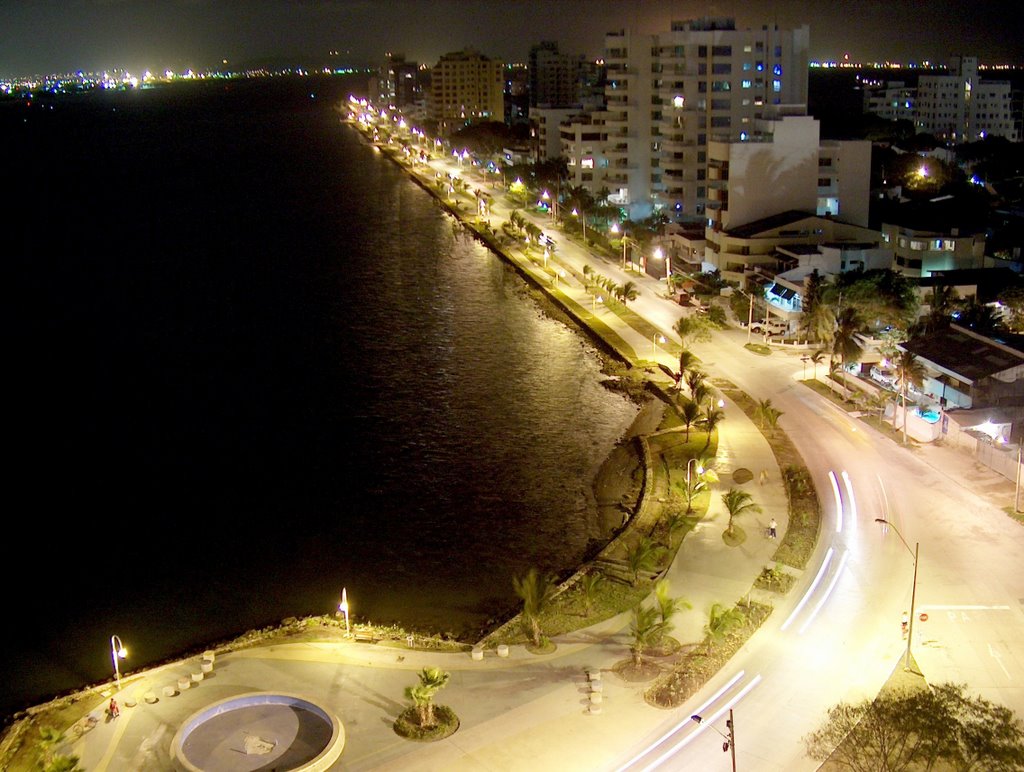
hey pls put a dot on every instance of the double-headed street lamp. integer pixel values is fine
(913, 591)
(730, 738)
(117, 652)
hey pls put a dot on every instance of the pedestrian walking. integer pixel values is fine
(904, 623)
(115, 711)
(763, 477)
(773, 528)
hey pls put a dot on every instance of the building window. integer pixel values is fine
(745, 84)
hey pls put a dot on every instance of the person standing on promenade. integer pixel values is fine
(773, 529)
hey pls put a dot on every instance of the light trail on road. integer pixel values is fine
(810, 590)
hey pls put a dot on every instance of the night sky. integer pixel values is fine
(46, 36)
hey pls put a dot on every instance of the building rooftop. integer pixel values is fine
(946, 214)
(775, 221)
(968, 354)
(989, 281)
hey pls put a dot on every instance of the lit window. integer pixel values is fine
(587, 163)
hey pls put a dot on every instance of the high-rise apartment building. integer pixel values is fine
(961, 107)
(399, 81)
(557, 79)
(669, 94)
(466, 87)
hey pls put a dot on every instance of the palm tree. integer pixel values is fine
(667, 607)
(696, 328)
(589, 586)
(712, 417)
(819, 323)
(737, 502)
(844, 342)
(674, 523)
(536, 591)
(642, 556)
(689, 414)
(816, 359)
(692, 485)
(695, 378)
(700, 393)
(432, 680)
(722, 622)
(767, 414)
(588, 272)
(910, 372)
(687, 361)
(628, 291)
(646, 630)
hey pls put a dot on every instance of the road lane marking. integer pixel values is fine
(939, 607)
(999, 661)
(807, 595)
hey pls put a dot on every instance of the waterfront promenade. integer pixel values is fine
(533, 712)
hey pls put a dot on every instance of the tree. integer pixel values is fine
(627, 292)
(717, 317)
(1013, 299)
(642, 556)
(695, 378)
(884, 298)
(736, 503)
(646, 630)
(667, 606)
(687, 361)
(909, 371)
(979, 317)
(722, 622)
(700, 394)
(536, 591)
(712, 417)
(816, 359)
(818, 324)
(432, 680)
(767, 414)
(844, 342)
(694, 328)
(674, 523)
(689, 414)
(916, 729)
(589, 586)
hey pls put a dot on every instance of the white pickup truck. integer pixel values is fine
(768, 326)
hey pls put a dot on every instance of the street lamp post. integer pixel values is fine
(913, 590)
(730, 738)
(597, 299)
(117, 652)
(654, 343)
(343, 608)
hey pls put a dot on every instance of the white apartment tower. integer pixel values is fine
(669, 94)
(961, 107)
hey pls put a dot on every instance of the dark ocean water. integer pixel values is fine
(249, 363)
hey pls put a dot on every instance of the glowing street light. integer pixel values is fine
(343, 608)
(597, 299)
(913, 591)
(583, 219)
(117, 652)
(655, 340)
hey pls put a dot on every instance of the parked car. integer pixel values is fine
(768, 326)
